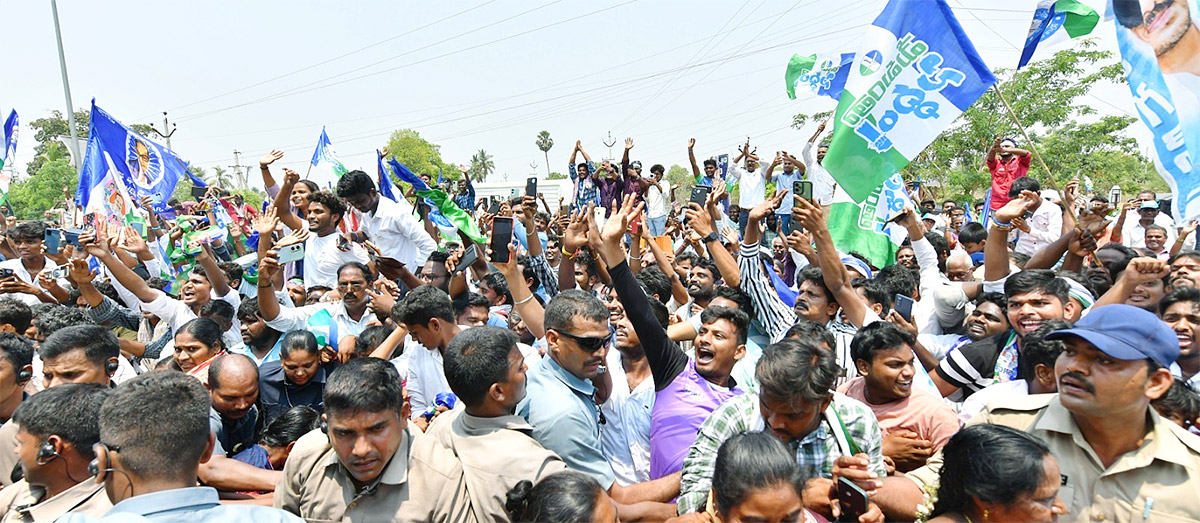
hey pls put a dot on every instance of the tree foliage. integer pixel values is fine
(1048, 98)
(420, 155)
(48, 132)
(544, 143)
(481, 165)
(30, 196)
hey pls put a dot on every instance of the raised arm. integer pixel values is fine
(678, 289)
(995, 251)
(994, 150)
(264, 166)
(702, 223)
(574, 238)
(283, 206)
(124, 275)
(812, 218)
(692, 157)
(268, 266)
(625, 156)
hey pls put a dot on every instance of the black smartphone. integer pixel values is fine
(52, 239)
(700, 195)
(6, 273)
(852, 499)
(469, 257)
(71, 236)
(802, 189)
(903, 306)
(494, 207)
(531, 186)
(199, 192)
(502, 229)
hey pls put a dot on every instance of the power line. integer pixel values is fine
(305, 89)
(336, 58)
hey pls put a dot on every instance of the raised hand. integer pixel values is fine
(575, 235)
(529, 210)
(80, 272)
(618, 223)
(800, 242)
(1016, 207)
(691, 143)
(768, 206)
(700, 221)
(628, 144)
(266, 222)
(290, 177)
(270, 157)
(297, 236)
(1146, 269)
(134, 242)
(1071, 192)
(811, 216)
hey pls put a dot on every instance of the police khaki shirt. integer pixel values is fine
(20, 502)
(8, 456)
(1158, 482)
(496, 454)
(316, 487)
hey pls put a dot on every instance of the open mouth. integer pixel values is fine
(1030, 324)
(976, 329)
(1185, 339)
(1138, 297)
(904, 386)
(705, 355)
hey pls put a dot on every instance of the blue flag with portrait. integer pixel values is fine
(144, 168)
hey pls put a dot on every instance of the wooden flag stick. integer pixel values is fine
(1033, 148)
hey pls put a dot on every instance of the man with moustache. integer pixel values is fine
(1117, 457)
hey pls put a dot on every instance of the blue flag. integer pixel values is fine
(9, 154)
(121, 158)
(385, 182)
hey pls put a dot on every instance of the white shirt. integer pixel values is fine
(1045, 226)
(1133, 235)
(656, 203)
(975, 403)
(322, 259)
(625, 434)
(823, 182)
(427, 377)
(175, 313)
(19, 271)
(752, 185)
(290, 319)
(398, 235)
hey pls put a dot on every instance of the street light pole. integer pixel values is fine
(62, 63)
(166, 127)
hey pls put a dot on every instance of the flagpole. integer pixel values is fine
(62, 62)
(1033, 148)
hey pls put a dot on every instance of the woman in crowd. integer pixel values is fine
(755, 478)
(275, 442)
(997, 473)
(197, 345)
(297, 378)
(562, 497)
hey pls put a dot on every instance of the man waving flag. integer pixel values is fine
(914, 73)
(1056, 21)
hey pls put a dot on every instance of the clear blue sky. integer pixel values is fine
(467, 75)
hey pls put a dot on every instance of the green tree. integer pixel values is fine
(419, 155)
(482, 165)
(545, 142)
(681, 178)
(30, 196)
(221, 178)
(1047, 96)
(556, 176)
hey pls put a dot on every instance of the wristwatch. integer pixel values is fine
(712, 237)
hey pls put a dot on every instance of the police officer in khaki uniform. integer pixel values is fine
(56, 430)
(1120, 461)
(358, 467)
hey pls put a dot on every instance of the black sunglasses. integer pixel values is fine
(587, 343)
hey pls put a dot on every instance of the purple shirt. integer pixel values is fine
(615, 189)
(679, 409)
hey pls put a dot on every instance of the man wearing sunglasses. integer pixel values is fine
(560, 401)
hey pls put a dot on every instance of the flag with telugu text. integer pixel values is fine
(914, 74)
(863, 228)
(820, 74)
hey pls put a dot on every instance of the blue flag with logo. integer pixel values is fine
(823, 75)
(120, 157)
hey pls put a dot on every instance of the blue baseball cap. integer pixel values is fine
(1126, 332)
(858, 266)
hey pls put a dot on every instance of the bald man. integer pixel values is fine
(233, 416)
(959, 267)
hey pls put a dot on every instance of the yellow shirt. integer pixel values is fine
(1160, 481)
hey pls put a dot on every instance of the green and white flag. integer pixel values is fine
(1056, 21)
(914, 74)
(10, 154)
(324, 328)
(823, 75)
(325, 167)
(863, 227)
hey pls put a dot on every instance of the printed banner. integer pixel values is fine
(863, 227)
(822, 75)
(1158, 42)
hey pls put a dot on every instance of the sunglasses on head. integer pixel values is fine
(587, 343)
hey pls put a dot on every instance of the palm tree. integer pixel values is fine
(222, 179)
(545, 142)
(482, 164)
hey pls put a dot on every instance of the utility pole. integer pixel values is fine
(610, 142)
(166, 135)
(62, 64)
(237, 168)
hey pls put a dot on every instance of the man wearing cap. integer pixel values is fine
(1134, 234)
(1117, 457)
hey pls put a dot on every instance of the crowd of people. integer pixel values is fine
(334, 356)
